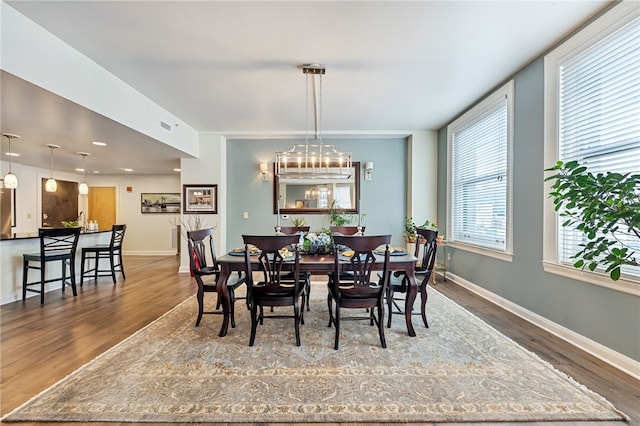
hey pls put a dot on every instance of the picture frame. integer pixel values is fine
(200, 199)
(160, 202)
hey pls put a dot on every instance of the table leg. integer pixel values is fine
(223, 297)
(408, 303)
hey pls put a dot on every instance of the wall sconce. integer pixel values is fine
(368, 169)
(264, 169)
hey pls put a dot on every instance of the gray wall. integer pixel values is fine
(383, 199)
(609, 317)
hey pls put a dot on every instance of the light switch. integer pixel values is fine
(245, 215)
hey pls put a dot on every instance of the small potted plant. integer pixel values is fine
(299, 221)
(410, 234)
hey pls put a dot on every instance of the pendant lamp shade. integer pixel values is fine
(10, 180)
(51, 185)
(83, 188)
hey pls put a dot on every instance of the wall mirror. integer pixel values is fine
(314, 195)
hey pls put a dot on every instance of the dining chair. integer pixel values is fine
(298, 230)
(204, 266)
(358, 290)
(425, 251)
(274, 260)
(111, 252)
(56, 245)
(292, 230)
(345, 230)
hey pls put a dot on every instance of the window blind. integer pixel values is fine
(599, 117)
(479, 178)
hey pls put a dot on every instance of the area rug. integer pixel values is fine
(458, 370)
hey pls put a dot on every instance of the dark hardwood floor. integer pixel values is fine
(41, 345)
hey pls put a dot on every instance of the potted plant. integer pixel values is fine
(606, 208)
(337, 216)
(299, 221)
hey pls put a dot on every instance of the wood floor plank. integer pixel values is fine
(39, 345)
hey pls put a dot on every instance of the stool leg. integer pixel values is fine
(63, 262)
(82, 268)
(121, 264)
(72, 271)
(113, 268)
(25, 272)
(42, 275)
(95, 271)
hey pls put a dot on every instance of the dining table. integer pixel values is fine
(317, 264)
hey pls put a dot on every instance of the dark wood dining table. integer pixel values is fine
(318, 264)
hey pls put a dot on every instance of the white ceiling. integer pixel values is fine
(233, 66)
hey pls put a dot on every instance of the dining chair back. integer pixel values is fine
(297, 230)
(425, 251)
(204, 267)
(56, 245)
(281, 285)
(292, 230)
(111, 252)
(350, 283)
(345, 230)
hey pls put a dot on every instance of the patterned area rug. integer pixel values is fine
(460, 369)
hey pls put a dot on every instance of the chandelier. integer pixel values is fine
(317, 159)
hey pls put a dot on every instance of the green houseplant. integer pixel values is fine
(605, 207)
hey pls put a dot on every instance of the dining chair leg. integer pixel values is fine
(381, 324)
(423, 305)
(297, 318)
(232, 309)
(329, 304)
(389, 305)
(254, 324)
(200, 297)
(336, 322)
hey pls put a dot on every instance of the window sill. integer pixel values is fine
(595, 278)
(500, 255)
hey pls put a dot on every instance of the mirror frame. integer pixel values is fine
(276, 195)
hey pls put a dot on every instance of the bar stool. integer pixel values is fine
(56, 245)
(109, 251)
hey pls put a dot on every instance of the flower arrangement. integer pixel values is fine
(317, 243)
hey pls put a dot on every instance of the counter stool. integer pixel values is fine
(109, 251)
(56, 245)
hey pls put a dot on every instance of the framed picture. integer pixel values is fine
(160, 202)
(201, 199)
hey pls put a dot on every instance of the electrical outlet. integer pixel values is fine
(245, 215)
(448, 257)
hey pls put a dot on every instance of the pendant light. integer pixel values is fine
(83, 188)
(10, 180)
(313, 160)
(51, 185)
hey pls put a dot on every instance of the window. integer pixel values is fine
(479, 147)
(592, 112)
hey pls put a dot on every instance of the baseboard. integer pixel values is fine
(611, 357)
(149, 253)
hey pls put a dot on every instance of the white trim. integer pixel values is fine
(506, 91)
(611, 357)
(595, 278)
(611, 21)
(500, 255)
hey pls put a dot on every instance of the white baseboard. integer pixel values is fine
(611, 357)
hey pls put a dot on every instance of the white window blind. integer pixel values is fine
(479, 175)
(599, 116)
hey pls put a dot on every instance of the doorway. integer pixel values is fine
(102, 206)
